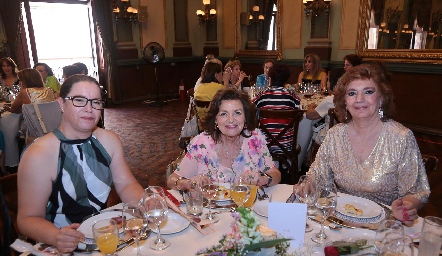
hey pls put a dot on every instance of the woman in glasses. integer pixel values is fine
(48, 76)
(33, 90)
(66, 175)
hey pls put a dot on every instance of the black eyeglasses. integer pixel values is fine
(80, 101)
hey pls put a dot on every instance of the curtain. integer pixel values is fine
(268, 12)
(422, 12)
(10, 12)
(103, 16)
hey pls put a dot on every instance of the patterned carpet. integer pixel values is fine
(149, 136)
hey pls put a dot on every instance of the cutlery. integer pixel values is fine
(131, 241)
(349, 224)
(332, 226)
(264, 195)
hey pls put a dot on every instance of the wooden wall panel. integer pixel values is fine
(292, 19)
(349, 24)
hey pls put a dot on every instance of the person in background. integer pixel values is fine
(210, 85)
(312, 72)
(316, 112)
(263, 79)
(233, 76)
(350, 61)
(276, 97)
(48, 77)
(82, 67)
(230, 147)
(66, 176)
(70, 70)
(209, 59)
(369, 155)
(8, 72)
(33, 90)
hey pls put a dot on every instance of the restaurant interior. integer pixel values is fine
(148, 49)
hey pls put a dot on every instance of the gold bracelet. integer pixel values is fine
(176, 182)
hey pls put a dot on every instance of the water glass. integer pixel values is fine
(431, 237)
(326, 201)
(134, 223)
(395, 244)
(385, 227)
(194, 202)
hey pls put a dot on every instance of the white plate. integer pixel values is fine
(261, 208)
(174, 224)
(369, 208)
(86, 226)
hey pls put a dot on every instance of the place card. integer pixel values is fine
(288, 220)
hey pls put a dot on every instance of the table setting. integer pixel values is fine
(280, 214)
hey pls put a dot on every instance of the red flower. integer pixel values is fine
(331, 251)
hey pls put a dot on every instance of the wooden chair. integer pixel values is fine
(9, 206)
(430, 162)
(288, 158)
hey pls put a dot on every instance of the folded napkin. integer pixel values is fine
(26, 249)
(205, 227)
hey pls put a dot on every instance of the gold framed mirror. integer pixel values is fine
(243, 30)
(410, 40)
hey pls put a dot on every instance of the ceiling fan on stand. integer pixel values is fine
(154, 53)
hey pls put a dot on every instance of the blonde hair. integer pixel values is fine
(316, 70)
(232, 63)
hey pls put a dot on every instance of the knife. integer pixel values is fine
(349, 224)
(131, 241)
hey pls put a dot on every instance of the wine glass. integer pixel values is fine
(106, 236)
(306, 193)
(239, 191)
(385, 227)
(154, 190)
(395, 244)
(156, 212)
(326, 200)
(134, 222)
(210, 191)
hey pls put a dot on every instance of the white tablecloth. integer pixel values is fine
(189, 241)
(9, 125)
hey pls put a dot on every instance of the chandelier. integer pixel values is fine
(256, 17)
(206, 16)
(128, 13)
(316, 7)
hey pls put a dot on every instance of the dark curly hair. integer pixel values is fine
(8, 62)
(354, 59)
(279, 74)
(372, 71)
(230, 94)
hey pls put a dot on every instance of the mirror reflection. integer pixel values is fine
(405, 24)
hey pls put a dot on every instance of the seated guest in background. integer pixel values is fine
(263, 79)
(33, 90)
(230, 147)
(8, 78)
(278, 98)
(350, 61)
(210, 85)
(209, 59)
(48, 77)
(233, 75)
(316, 112)
(82, 67)
(312, 72)
(368, 154)
(70, 70)
(66, 175)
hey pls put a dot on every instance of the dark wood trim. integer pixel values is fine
(424, 130)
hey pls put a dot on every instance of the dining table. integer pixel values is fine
(10, 125)
(187, 240)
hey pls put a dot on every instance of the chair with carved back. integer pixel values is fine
(9, 208)
(286, 157)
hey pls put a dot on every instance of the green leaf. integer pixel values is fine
(265, 244)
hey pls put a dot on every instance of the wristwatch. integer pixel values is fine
(270, 179)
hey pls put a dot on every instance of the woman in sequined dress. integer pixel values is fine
(369, 155)
(8, 77)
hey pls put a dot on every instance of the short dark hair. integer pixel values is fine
(334, 76)
(279, 74)
(30, 77)
(372, 71)
(48, 69)
(268, 61)
(67, 85)
(9, 62)
(209, 71)
(354, 59)
(81, 66)
(230, 94)
(71, 70)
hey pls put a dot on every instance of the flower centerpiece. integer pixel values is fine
(247, 236)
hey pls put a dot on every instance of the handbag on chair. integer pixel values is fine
(190, 127)
(41, 118)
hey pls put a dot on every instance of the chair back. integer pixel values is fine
(9, 209)
(333, 118)
(430, 162)
(287, 157)
(41, 118)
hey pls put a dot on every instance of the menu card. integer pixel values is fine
(288, 220)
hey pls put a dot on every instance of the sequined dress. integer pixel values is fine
(393, 169)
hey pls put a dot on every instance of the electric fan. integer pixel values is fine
(154, 53)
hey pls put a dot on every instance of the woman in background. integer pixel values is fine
(233, 75)
(209, 59)
(312, 72)
(8, 79)
(263, 79)
(351, 61)
(48, 77)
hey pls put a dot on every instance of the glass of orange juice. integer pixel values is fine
(252, 197)
(106, 236)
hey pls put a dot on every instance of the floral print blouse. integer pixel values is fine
(202, 158)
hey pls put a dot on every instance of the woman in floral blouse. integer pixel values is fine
(230, 147)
